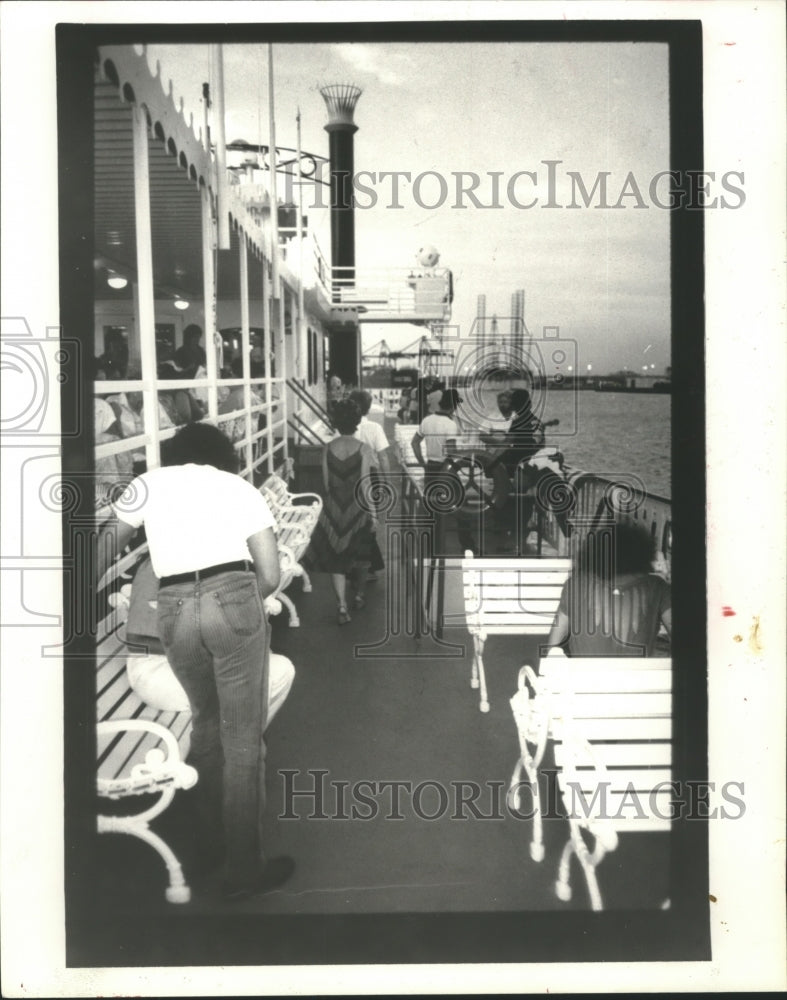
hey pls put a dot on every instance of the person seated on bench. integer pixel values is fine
(613, 604)
(499, 426)
(525, 434)
(210, 533)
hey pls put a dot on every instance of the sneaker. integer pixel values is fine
(275, 874)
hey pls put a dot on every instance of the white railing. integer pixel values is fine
(393, 293)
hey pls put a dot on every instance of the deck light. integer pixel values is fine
(115, 280)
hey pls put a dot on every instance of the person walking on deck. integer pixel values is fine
(343, 541)
(371, 433)
(212, 546)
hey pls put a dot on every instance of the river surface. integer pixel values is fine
(607, 432)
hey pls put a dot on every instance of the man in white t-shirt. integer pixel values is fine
(210, 533)
(429, 445)
(434, 432)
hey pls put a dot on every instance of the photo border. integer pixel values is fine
(681, 933)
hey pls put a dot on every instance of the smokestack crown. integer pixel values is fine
(340, 99)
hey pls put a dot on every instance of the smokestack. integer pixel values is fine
(340, 99)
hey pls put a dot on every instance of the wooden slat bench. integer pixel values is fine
(296, 515)
(141, 750)
(610, 720)
(403, 443)
(508, 597)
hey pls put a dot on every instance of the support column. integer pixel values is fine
(245, 346)
(267, 342)
(209, 297)
(145, 295)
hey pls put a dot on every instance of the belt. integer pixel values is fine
(203, 574)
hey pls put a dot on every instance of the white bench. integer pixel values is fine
(610, 720)
(301, 509)
(403, 443)
(296, 516)
(141, 750)
(508, 597)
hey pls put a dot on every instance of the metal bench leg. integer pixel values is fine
(588, 861)
(295, 621)
(307, 583)
(178, 890)
(563, 886)
(514, 801)
(478, 677)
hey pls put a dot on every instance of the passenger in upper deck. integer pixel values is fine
(613, 604)
(181, 405)
(192, 353)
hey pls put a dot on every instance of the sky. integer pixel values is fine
(600, 274)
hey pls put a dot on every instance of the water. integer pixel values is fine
(608, 432)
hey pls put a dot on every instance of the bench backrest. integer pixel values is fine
(611, 723)
(513, 596)
(403, 439)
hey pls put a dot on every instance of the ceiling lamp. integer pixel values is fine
(115, 280)
(181, 303)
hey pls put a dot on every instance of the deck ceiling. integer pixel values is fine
(175, 208)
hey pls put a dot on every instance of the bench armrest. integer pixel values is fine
(158, 770)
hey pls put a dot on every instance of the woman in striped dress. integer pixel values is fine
(343, 540)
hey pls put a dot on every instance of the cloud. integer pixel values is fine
(379, 61)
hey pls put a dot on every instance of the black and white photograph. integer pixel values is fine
(377, 543)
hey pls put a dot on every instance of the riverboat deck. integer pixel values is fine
(396, 711)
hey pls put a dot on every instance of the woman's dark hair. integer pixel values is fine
(616, 550)
(345, 416)
(520, 400)
(450, 400)
(363, 400)
(200, 444)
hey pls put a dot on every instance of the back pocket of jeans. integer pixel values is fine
(167, 617)
(241, 608)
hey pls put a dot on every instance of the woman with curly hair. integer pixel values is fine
(212, 546)
(343, 540)
(613, 604)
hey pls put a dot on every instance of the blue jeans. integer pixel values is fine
(215, 635)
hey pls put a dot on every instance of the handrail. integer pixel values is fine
(310, 401)
(303, 428)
